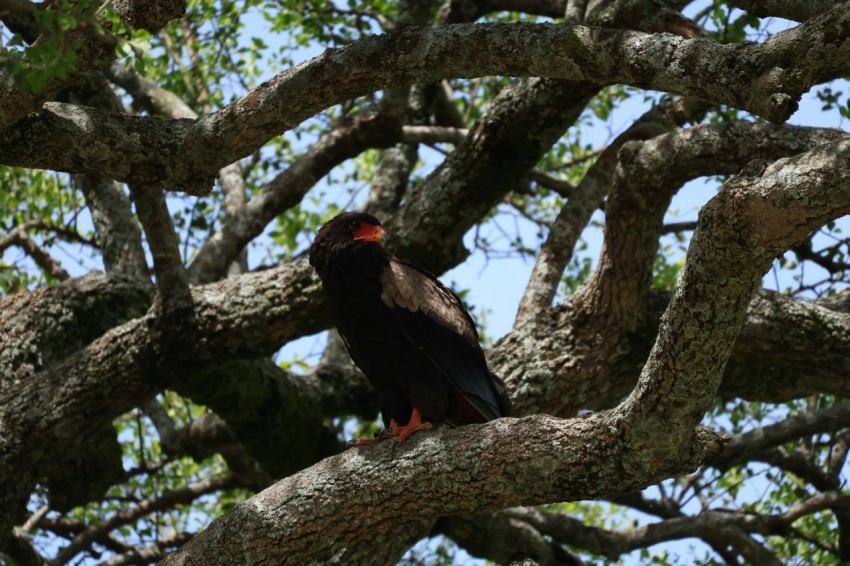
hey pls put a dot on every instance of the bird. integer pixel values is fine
(409, 334)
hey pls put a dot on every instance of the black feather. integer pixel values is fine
(408, 332)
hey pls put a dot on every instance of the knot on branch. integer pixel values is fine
(710, 443)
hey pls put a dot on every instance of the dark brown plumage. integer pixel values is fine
(408, 332)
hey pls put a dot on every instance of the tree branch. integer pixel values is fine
(171, 279)
(165, 501)
(355, 135)
(38, 254)
(462, 470)
(500, 538)
(749, 222)
(796, 10)
(148, 554)
(94, 49)
(744, 447)
(557, 250)
(708, 526)
(816, 51)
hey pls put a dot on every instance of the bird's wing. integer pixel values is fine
(433, 318)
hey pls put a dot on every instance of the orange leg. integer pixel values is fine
(402, 432)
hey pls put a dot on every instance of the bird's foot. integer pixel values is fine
(397, 431)
(401, 433)
(379, 436)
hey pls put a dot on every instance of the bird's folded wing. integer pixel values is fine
(433, 318)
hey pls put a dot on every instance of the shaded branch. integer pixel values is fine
(148, 554)
(119, 236)
(795, 10)
(747, 446)
(171, 279)
(709, 526)
(204, 436)
(789, 349)
(19, 237)
(355, 135)
(500, 538)
(165, 501)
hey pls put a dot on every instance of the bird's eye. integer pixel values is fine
(355, 225)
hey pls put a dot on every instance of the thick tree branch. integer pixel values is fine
(519, 127)
(750, 222)
(789, 349)
(814, 52)
(611, 306)
(43, 327)
(462, 470)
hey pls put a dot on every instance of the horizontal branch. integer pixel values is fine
(711, 527)
(476, 468)
(186, 154)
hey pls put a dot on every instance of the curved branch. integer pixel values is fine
(557, 250)
(501, 538)
(471, 469)
(38, 254)
(355, 135)
(711, 526)
(739, 233)
(603, 324)
(185, 154)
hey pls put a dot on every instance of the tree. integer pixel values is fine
(140, 400)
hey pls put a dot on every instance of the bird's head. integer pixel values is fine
(345, 231)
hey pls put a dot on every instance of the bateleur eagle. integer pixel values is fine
(407, 332)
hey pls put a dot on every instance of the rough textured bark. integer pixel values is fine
(461, 470)
(744, 77)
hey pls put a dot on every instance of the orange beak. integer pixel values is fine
(369, 232)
